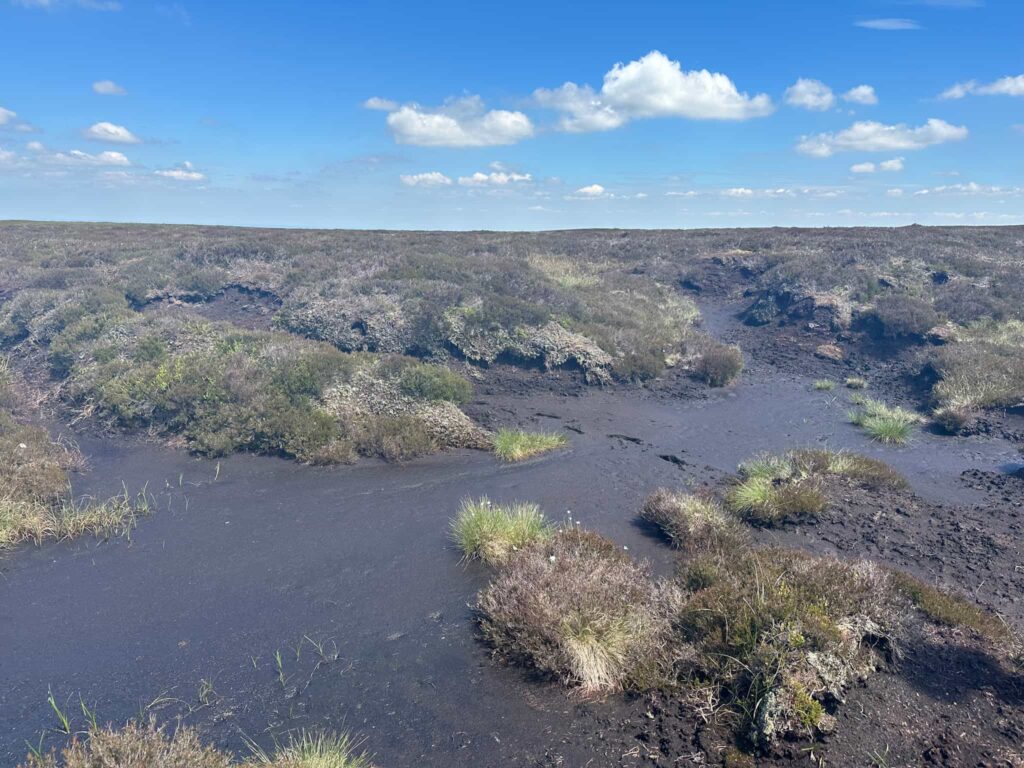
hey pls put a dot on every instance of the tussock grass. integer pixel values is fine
(692, 523)
(719, 364)
(823, 385)
(519, 445)
(314, 750)
(494, 532)
(150, 746)
(856, 382)
(884, 423)
(68, 518)
(771, 488)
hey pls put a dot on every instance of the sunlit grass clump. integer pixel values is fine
(824, 385)
(691, 522)
(519, 445)
(884, 423)
(314, 750)
(29, 520)
(494, 532)
(149, 746)
(856, 382)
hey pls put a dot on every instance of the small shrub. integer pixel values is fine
(824, 385)
(905, 316)
(719, 364)
(856, 382)
(394, 438)
(518, 445)
(432, 382)
(692, 523)
(576, 607)
(494, 532)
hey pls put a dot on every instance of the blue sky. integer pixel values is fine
(526, 115)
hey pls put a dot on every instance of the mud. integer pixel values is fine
(250, 556)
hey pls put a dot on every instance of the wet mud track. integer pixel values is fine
(347, 573)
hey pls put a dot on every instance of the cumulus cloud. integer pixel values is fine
(458, 123)
(495, 179)
(863, 168)
(35, 146)
(810, 94)
(1004, 86)
(429, 179)
(651, 86)
(738, 192)
(108, 88)
(590, 192)
(894, 192)
(861, 94)
(184, 172)
(383, 105)
(7, 116)
(117, 134)
(871, 136)
(77, 157)
(888, 25)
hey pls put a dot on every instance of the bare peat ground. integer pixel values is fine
(348, 574)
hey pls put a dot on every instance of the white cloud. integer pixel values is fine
(896, 164)
(117, 134)
(888, 25)
(496, 178)
(894, 192)
(591, 192)
(77, 157)
(810, 94)
(185, 172)
(6, 116)
(6, 155)
(459, 123)
(871, 136)
(652, 86)
(738, 192)
(970, 188)
(684, 193)
(1004, 86)
(383, 105)
(861, 94)
(429, 179)
(35, 146)
(108, 88)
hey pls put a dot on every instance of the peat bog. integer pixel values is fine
(308, 412)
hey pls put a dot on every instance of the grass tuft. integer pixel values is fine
(884, 423)
(314, 750)
(493, 532)
(691, 523)
(519, 445)
(824, 385)
(951, 610)
(856, 382)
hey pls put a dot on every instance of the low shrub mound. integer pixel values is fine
(719, 364)
(773, 488)
(823, 385)
(577, 608)
(982, 369)
(221, 389)
(518, 445)
(779, 635)
(903, 316)
(856, 382)
(691, 522)
(494, 532)
(149, 746)
(884, 423)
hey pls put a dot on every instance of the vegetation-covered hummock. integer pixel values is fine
(773, 488)
(519, 445)
(148, 746)
(36, 501)
(767, 640)
(494, 532)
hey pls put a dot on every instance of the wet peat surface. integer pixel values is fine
(263, 596)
